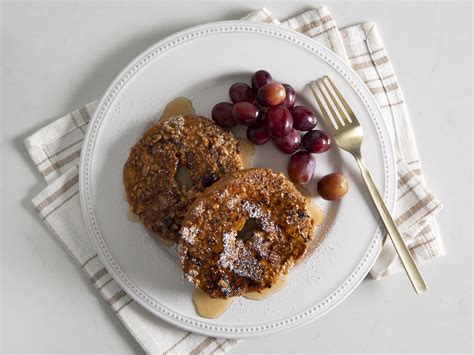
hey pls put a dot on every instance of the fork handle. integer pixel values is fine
(409, 264)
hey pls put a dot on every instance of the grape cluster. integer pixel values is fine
(268, 110)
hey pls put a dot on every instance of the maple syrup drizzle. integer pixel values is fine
(165, 241)
(247, 151)
(178, 106)
(316, 213)
(208, 307)
(132, 217)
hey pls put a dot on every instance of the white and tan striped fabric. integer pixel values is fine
(55, 151)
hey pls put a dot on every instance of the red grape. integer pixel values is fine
(271, 94)
(222, 115)
(258, 133)
(333, 186)
(288, 144)
(279, 121)
(241, 92)
(290, 98)
(303, 118)
(245, 113)
(317, 141)
(301, 167)
(260, 78)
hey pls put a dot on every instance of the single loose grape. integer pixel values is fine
(333, 186)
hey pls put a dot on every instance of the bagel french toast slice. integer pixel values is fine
(180, 143)
(243, 232)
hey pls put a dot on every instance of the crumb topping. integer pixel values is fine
(221, 262)
(207, 151)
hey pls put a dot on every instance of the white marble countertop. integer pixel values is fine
(59, 55)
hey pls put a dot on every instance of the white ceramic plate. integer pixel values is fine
(201, 63)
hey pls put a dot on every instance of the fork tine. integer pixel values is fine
(343, 101)
(332, 126)
(342, 114)
(339, 122)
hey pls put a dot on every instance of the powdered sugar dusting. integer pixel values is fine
(229, 254)
(198, 209)
(238, 259)
(264, 218)
(232, 202)
(189, 234)
(253, 210)
(192, 274)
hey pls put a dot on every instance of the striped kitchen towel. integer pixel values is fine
(55, 151)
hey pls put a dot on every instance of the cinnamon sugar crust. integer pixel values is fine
(193, 142)
(214, 255)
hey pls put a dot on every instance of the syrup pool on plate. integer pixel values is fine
(208, 307)
(314, 210)
(247, 151)
(132, 217)
(178, 106)
(212, 308)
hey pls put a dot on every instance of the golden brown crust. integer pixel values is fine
(221, 263)
(194, 142)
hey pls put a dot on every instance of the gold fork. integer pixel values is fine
(347, 132)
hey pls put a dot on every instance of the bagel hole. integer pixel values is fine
(247, 231)
(183, 178)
